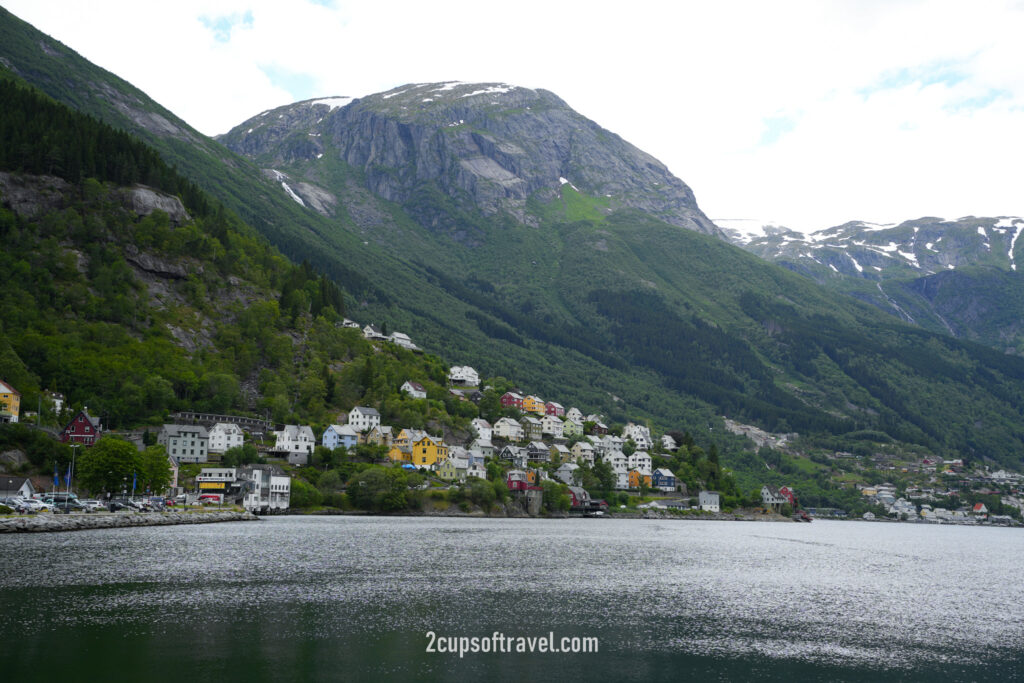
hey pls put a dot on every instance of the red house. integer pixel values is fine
(512, 400)
(552, 408)
(82, 429)
(788, 494)
(518, 480)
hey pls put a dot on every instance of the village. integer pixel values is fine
(536, 441)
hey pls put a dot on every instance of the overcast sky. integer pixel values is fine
(807, 114)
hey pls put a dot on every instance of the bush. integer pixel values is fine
(304, 494)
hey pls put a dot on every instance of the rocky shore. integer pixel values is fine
(101, 520)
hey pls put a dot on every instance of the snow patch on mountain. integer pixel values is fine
(494, 89)
(1013, 243)
(332, 102)
(745, 230)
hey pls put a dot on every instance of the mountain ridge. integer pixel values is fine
(518, 144)
(955, 276)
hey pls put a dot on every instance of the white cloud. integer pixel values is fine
(768, 110)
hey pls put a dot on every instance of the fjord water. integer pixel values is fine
(352, 598)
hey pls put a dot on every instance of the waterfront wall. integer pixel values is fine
(79, 522)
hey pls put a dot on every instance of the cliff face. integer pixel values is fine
(491, 147)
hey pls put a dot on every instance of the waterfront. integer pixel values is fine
(342, 598)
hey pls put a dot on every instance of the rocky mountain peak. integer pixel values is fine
(488, 146)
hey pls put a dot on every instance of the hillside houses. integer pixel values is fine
(83, 429)
(10, 403)
(463, 376)
(185, 443)
(362, 418)
(296, 443)
(507, 428)
(224, 436)
(414, 389)
(339, 436)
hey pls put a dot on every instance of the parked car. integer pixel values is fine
(93, 505)
(71, 505)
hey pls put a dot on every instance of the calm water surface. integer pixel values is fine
(352, 598)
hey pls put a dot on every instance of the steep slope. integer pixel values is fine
(605, 301)
(953, 276)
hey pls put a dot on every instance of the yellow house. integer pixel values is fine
(407, 437)
(428, 451)
(635, 478)
(400, 453)
(10, 403)
(532, 404)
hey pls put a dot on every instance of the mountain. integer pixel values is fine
(480, 222)
(490, 147)
(957, 277)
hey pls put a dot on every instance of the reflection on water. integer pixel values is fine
(335, 598)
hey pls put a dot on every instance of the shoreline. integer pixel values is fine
(116, 520)
(479, 514)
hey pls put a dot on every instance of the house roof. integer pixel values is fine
(8, 389)
(366, 411)
(664, 472)
(175, 430)
(11, 484)
(94, 421)
(343, 430)
(416, 386)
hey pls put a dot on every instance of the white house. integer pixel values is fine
(482, 428)
(617, 460)
(477, 470)
(640, 461)
(668, 443)
(374, 333)
(266, 488)
(414, 389)
(549, 424)
(621, 478)
(186, 443)
(339, 435)
(16, 487)
(509, 429)
(574, 414)
(640, 435)
(403, 340)
(708, 501)
(297, 441)
(362, 418)
(464, 375)
(224, 436)
(482, 446)
(771, 498)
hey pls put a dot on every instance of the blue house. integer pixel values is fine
(339, 435)
(663, 480)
